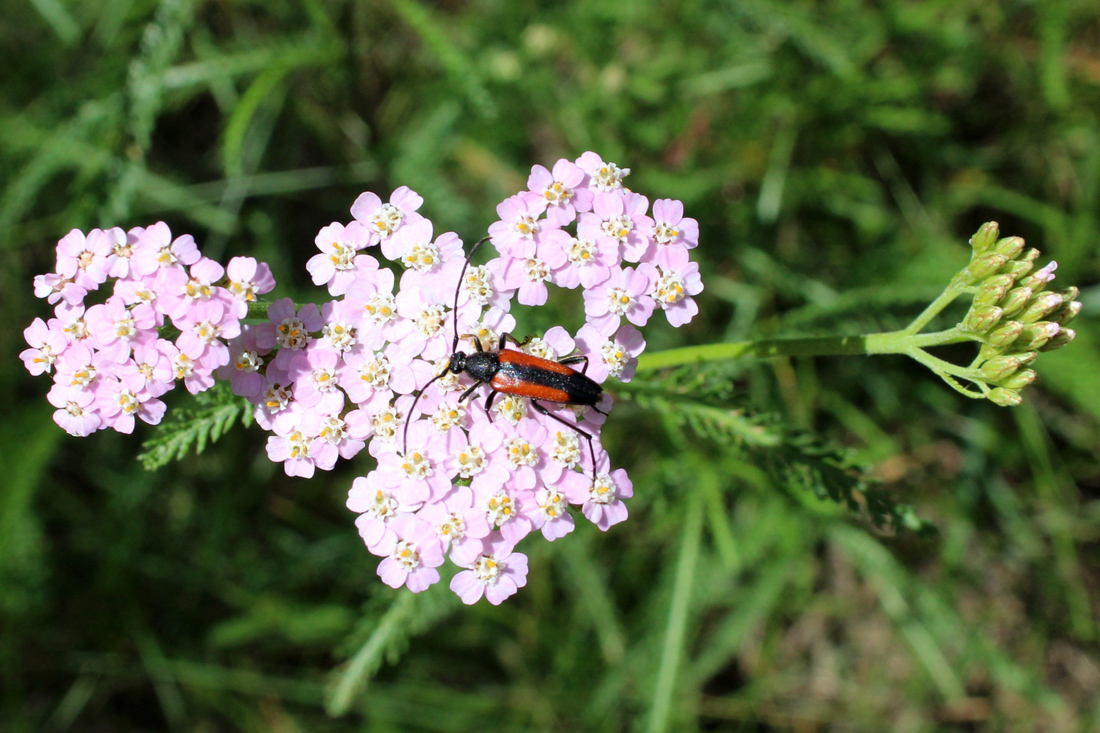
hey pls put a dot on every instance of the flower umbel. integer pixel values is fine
(359, 371)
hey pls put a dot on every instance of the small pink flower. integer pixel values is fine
(288, 329)
(70, 322)
(119, 261)
(245, 362)
(601, 176)
(379, 322)
(672, 231)
(561, 189)
(297, 443)
(54, 287)
(417, 475)
(84, 259)
(341, 330)
(432, 319)
(334, 439)
(421, 256)
(178, 291)
(202, 326)
(514, 234)
(610, 357)
(529, 275)
(459, 525)
(81, 368)
(552, 517)
(414, 552)
(75, 410)
(338, 264)
(118, 406)
(132, 292)
(376, 506)
(482, 285)
(315, 382)
(383, 220)
(624, 294)
(115, 328)
(675, 284)
(46, 344)
(196, 375)
(364, 374)
(477, 457)
(150, 369)
(497, 573)
(247, 279)
(601, 499)
(621, 218)
(155, 250)
(588, 262)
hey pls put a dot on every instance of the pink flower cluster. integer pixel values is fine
(473, 477)
(108, 361)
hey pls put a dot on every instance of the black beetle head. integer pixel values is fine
(458, 363)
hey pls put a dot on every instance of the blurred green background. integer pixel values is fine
(837, 154)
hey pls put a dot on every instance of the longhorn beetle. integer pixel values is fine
(514, 372)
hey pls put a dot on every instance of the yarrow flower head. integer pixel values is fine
(464, 470)
(1014, 315)
(109, 363)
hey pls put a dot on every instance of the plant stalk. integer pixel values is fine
(893, 342)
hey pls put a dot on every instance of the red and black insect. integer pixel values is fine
(514, 372)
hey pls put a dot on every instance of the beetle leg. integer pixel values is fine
(489, 403)
(470, 391)
(474, 338)
(587, 436)
(506, 337)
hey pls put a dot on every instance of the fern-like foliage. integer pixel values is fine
(804, 461)
(382, 634)
(214, 412)
(794, 460)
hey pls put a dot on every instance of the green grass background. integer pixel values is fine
(837, 155)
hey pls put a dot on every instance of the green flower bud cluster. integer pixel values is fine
(1014, 316)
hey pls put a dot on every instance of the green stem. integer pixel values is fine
(954, 290)
(894, 342)
(257, 310)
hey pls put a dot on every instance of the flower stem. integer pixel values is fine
(894, 342)
(954, 290)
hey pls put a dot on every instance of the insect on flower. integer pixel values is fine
(513, 372)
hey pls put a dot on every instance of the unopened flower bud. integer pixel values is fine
(1004, 335)
(981, 318)
(1064, 336)
(1005, 280)
(986, 236)
(1015, 301)
(1020, 379)
(1010, 247)
(1000, 367)
(992, 291)
(982, 266)
(1066, 313)
(1040, 307)
(1026, 357)
(1005, 397)
(1039, 279)
(1037, 335)
(1023, 264)
(1070, 293)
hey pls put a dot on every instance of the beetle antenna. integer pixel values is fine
(405, 434)
(458, 289)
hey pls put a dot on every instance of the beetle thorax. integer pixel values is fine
(482, 366)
